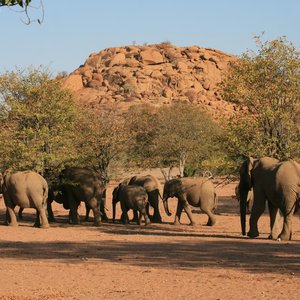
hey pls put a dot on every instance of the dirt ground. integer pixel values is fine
(160, 261)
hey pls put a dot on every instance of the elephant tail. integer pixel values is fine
(45, 194)
(215, 200)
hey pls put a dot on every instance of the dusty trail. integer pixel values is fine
(160, 261)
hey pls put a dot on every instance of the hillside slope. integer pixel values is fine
(156, 74)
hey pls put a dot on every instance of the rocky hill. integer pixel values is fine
(156, 74)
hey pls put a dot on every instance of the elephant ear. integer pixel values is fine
(245, 173)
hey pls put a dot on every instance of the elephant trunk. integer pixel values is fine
(243, 207)
(166, 207)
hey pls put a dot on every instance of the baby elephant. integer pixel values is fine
(131, 197)
(194, 191)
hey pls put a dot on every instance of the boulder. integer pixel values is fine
(73, 82)
(118, 59)
(151, 57)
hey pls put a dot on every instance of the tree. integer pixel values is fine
(103, 140)
(266, 85)
(24, 4)
(177, 135)
(37, 123)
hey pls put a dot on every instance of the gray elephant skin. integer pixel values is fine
(275, 182)
(152, 187)
(26, 189)
(249, 198)
(77, 184)
(131, 197)
(196, 191)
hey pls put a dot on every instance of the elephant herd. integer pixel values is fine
(261, 180)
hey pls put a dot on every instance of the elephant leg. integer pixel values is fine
(37, 222)
(97, 216)
(286, 233)
(211, 218)
(187, 209)
(50, 211)
(124, 217)
(143, 213)
(73, 214)
(20, 213)
(72, 203)
(258, 208)
(135, 216)
(102, 210)
(11, 218)
(95, 206)
(153, 200)
(275, 225)
(178, 213)
(87, 212)
(140, 218)
(41, 218)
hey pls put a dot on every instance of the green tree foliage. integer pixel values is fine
(177, 135)
(104, 138)
(37, 123)
(267, 85)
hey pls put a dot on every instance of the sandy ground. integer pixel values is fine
(160, 261)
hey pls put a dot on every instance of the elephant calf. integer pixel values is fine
(131, 197)
(25, 189)
(196, 191)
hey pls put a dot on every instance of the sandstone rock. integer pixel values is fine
(73, 82)
(87, 73)
(182, 67)
(131, 62)
(184, 83)
(151, 57)
(206, 85)
(118, 59)
(167, 92)
(93, 84)
(97, 76)
(152, 75)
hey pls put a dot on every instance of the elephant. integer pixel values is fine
(131, 197)
(196, 191)
(152, 187)
(26, 189)
(249, 198)
(78, 184)
(102, 208)
(274, 181)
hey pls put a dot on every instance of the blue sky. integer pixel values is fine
(73, 29)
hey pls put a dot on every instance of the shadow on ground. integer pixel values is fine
(217, 251)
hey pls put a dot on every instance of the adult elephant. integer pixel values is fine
(78, 184)
(26, 189)
(196, 191)
(273, 181)
(152, 187)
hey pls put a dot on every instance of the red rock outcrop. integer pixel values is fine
(157, 74)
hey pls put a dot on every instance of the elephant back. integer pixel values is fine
(149, 182)
(85, 183)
